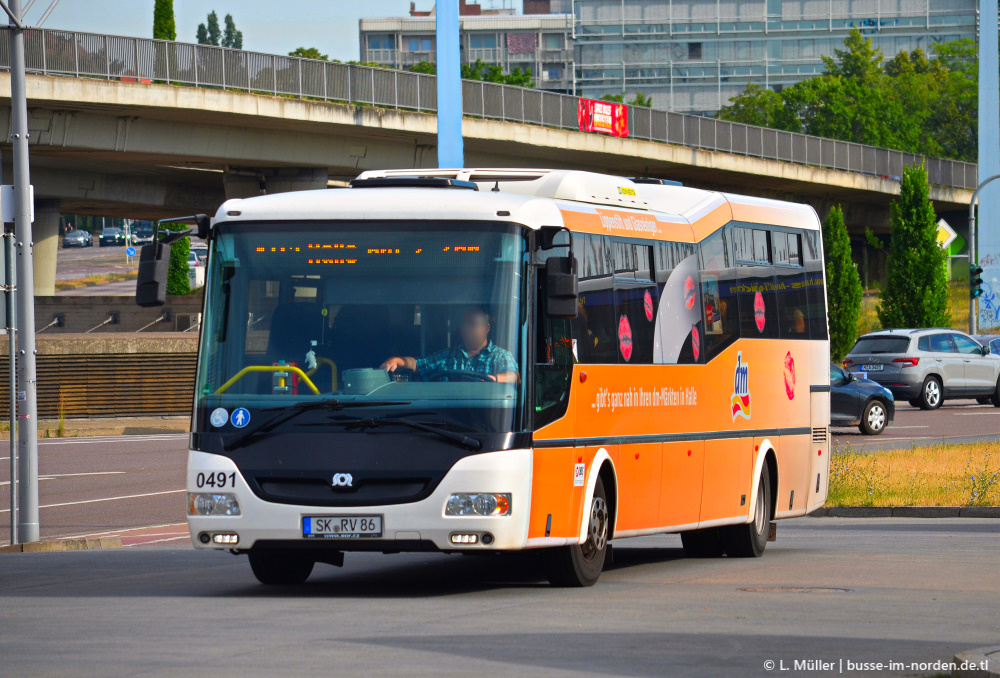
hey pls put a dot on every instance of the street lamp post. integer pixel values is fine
(973, 319)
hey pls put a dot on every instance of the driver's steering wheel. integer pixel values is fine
(442, 374)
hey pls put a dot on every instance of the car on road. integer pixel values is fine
(991, 340)
(928, 366)
(78, 239)
(112, 236)
(856, 401)
(197, 256)
(142, 235)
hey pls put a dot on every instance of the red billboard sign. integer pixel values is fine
(603, 116)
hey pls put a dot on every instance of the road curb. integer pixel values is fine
(983, 662)
(907, 512)
(64, 545)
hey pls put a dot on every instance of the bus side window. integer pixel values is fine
(791, 286)
(759, 318)
(815, 284)
(554, 357)
(718, 294)
(636, 299)
(595, 328)
(678, 314)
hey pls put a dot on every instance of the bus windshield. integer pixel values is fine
(422, 321)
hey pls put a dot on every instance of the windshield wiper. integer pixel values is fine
(289, 412)
(378, 422)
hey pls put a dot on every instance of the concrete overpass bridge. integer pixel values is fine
(145, 128)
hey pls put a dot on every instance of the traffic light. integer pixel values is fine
(975, 281)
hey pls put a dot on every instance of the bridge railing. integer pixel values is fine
(141, 60)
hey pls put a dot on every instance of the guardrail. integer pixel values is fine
(88, 55)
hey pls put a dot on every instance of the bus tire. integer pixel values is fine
(280, 568)
(702, 543)
(750, 540)
(581, 564)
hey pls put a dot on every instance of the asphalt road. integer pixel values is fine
(80, 262)
(131, 486)
(828, 589)
(955, 420)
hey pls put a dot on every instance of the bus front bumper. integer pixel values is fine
(418, 525)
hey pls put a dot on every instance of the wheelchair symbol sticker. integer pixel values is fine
(240, 417)
(219, 417)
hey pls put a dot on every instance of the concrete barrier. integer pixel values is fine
(76, 315)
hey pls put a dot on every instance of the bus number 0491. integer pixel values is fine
(218, 479)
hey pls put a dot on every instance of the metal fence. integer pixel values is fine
(141, 60)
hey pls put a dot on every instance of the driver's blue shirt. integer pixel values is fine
(491, 360)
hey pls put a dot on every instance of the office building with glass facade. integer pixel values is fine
(692, 56)
(540, 42)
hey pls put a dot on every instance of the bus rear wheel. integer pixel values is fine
(280, 568)
(582, 564)
(750, 540)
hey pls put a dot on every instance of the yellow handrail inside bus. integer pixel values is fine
(269, 368)
(333, 369)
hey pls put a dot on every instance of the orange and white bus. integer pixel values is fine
(498, 360)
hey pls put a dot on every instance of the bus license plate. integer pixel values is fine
(872, 368)
(342, 527)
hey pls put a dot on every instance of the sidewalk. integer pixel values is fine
(111, 426)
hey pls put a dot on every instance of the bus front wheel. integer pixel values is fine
(280, 568)
(750, 540)
(581, 564)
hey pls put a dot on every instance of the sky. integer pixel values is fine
(267, 25)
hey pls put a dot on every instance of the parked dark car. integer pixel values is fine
(112, 236)
(77, 239)
(859, 402)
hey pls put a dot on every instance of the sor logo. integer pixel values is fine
(343, 480)
(741, 389)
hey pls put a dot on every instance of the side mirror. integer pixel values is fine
(561, 288)
(151, 283)
(986, 349)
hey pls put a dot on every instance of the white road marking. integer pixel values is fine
(94, 501)
(974, 414)
(901, 426)
(73, 475)
(124, 530)
(53, 476)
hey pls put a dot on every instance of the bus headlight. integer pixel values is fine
(213, 505)
(478, 504)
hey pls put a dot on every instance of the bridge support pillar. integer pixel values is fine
(45, 232)
(246, 182)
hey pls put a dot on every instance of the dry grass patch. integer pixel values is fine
(945, 475)
(95, 280)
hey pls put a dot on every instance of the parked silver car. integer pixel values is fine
(927, 366)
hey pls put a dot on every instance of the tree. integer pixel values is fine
(639, 100)
(164, 26)
(309, 53)
(210, 33)
(232, 38)
(910, 102)
(843, 285)
(482, 71)
(916, 289)
(177, 272)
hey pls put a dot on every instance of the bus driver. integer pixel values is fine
(476, 353)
